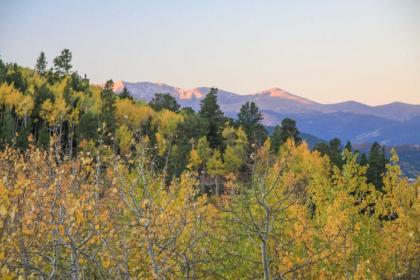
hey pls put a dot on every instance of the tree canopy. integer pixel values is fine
(96, 185)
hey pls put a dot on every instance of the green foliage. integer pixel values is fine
(107, 116)
(363, 161)
(125, 94)
(3, 71)
(236, 146)
(164, 101)
(117, 190)
(88, 127)
(281, 133)
(250, 118)
(335, 152)
(41, 64)
(348, 146)
(14, 76)
(323, 148)
(62, 63)
(213, 118)
(7, 128)
(43, 137)
(377, 165)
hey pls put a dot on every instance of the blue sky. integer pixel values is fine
(328, 51)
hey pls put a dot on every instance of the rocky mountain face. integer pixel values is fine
(391, 124)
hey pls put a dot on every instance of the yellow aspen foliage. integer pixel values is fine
(148, 198)
(54, 112)
(235, 153)
(24, 106)
(161, 142)
(194, 160)
(9, 95)
(203, 148)
(167, 121)
(132, 114)
(124, 138)
(215, 164)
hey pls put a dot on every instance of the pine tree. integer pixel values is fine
(88, 127)
(213, 117)
(14, 75)
(164, 101)
(335, 152)
(363, 160)
(281, 133)
(276, 138)
(2, 71)
(125, 94)
(7, 128)
(289, 130)
(377, 165)
(348, 146)
(250, 118)
(62, 63)
(41, 64)
(108, 110)
(323, 148)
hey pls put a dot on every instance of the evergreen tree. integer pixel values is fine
(43, 137)
(88, 127)
(22, 137)
(78, 83)
(363, 161)
(125, 94)
(348, 146)
(250, 118)
(281, 133)
(62, 63)
(164, 101)
(377, 165)
(7, 128)
(213, 117)
(276, 138)
(289, 130)
(323, 148)
(41, 64)
(335, 152)
(14, 75)
(2, 71)
(108, 110)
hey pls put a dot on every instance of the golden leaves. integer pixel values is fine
(124, 138)
(132, 114)
(119, 216)
(54, 112)
(167, 121)
(13, 98)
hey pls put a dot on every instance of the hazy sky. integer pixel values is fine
(327, 51)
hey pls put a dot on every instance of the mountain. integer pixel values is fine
(392, 124)
(394, 111)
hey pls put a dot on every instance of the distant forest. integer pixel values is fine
(57, 102)
(97, 185)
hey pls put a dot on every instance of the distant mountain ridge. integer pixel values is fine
(348, 120)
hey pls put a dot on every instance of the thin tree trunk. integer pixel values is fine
(24, 257)
(167, 158)
(75, 269)
(152, 256)
(264, 256)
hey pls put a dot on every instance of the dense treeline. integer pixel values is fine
(96, 185)
(58, 102)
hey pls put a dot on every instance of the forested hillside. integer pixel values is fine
(391, 124)
(97, 185)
